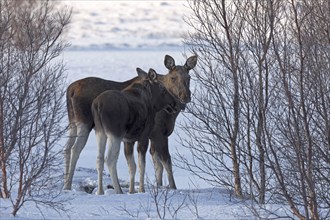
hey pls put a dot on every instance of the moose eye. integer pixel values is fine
(173, 79)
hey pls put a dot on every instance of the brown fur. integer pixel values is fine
(80, 95)
(127, 115)
(164, 124)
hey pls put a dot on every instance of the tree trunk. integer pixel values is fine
(4, 193)
(236, 171)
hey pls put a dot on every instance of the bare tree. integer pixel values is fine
(31, 104)
(297, 153)
(255, 89)
(259, 119)
(217, 40)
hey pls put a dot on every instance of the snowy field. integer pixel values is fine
(110, 39)
(127, 24)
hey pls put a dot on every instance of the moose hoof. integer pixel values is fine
(132, 192)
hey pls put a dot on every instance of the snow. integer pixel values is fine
(127, 24)
(109, 40)
(210, 203)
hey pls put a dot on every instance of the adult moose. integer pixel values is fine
(80, 95)
(127, 115)
(164, 126)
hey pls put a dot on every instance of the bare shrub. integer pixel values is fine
(166, 200)
(31, 104)
(258, 122)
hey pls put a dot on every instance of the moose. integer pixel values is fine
(127, 115)
(80, 95)
(164, 125)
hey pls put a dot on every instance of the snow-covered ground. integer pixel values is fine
(191, 203)
(109, 40)
(127, 24)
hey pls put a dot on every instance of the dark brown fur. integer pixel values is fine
(127, 115)
(80, 95)
(164, 125)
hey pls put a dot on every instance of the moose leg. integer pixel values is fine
(161, 151)
(111, 160)
(129, 154)
(82, 136)
(101, 140)
(142, 150)
(167, 163)
(67, 149)
(158, 165)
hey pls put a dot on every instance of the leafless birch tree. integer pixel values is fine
(259, 119)
(31, 101)
(298, 151)
(217, 40)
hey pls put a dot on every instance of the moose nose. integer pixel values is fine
(185, 98)
(188, 99)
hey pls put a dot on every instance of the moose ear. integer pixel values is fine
(141, 73)
(191, 62)
(152, 75)
(169, 62)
